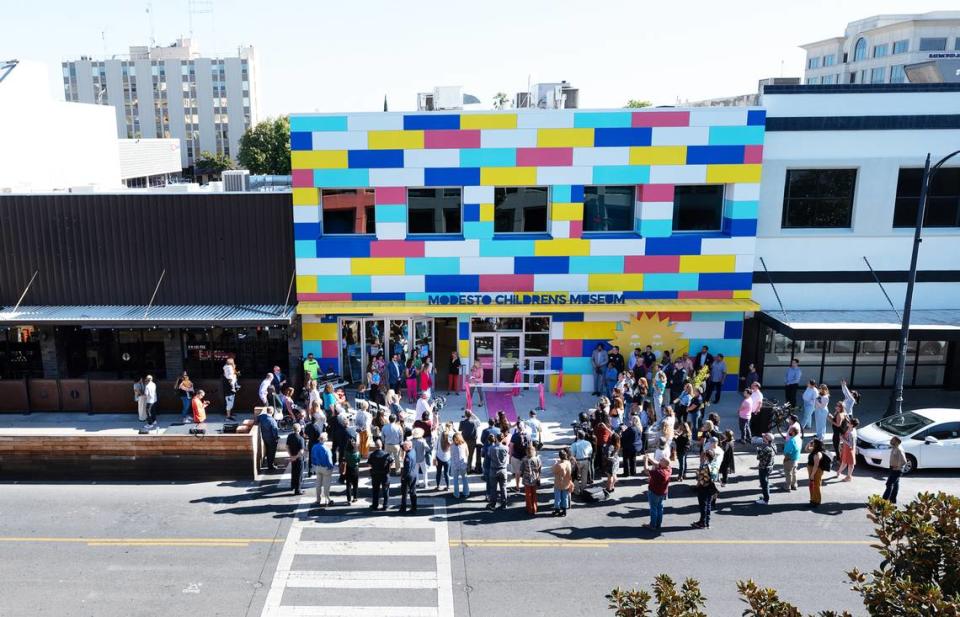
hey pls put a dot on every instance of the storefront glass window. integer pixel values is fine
(483, 324)
(400, 339)
(255, 350)
(537, 324)
(20, 353)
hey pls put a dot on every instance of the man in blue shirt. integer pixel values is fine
(792, 447)
(269, 434)
(322, 460)
(408, 478)
(792, 382)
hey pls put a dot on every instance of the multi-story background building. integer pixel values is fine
(877, 49)
(206, 103)
(842, 171)
(524, 239)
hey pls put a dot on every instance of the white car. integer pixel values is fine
(930, 438)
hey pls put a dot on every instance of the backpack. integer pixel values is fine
(825, 461)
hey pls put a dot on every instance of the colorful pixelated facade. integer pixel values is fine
(646, 285)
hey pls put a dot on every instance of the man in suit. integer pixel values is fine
(380, 462)
(408, 478)
(394, 373)
(704, 358)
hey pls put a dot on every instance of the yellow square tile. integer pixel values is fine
(561, 247)
(307, 284)
(488, 121)
(733, 173)
(318, 159)
(395, 140)
(377, 265)
(708, 263)
(319, 331)
(603, 330)
(306, 197)
(565, 138)
(566, 211)
(508, 176)
(658, 155)
(486, 213)
(742, 294)
(615, 282)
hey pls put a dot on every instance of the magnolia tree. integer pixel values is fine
(918, 576)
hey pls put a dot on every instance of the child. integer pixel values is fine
(682, 444)
(727, 464)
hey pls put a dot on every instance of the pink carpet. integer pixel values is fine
(501, 401)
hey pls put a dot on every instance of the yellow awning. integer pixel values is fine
(736, 305)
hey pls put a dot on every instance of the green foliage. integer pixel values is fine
(637, 104)
(699, 379)
(918, 576)
(920, 547)
(212, 164)
(687, 601)
(265, 148)
(500, 100)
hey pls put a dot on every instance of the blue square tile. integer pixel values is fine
(757, 117)
(452, 283)
(431, 121)
(442, 176)
(576, 193)
(301, 141)
(611, 137)
(374, 158)
(732, 329)
(674, 245)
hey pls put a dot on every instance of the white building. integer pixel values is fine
(875, 50)
(841, 180)
(172, 92)
(50, 145)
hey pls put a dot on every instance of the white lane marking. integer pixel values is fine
(271, 607)
(347, 547)
(362, 579)
(360, 611)
(444, 574)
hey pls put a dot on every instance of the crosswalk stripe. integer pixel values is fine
(376, 521)
(363, 579)
(359, 611)
(346, 547)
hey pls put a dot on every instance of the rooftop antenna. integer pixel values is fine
(153, 39)
(198, 7)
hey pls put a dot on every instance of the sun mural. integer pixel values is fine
(649, 329)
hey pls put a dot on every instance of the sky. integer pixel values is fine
(331, 56)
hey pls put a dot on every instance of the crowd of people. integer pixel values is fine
(651, 416)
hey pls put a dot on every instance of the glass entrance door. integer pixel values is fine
(362, 340)
(508, 356)
(484, 350)
(351, 355)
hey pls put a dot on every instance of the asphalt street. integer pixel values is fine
(214, 549)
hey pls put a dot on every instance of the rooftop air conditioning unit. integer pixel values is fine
(522, 101)
(236, 180)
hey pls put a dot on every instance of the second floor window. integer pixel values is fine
(698, 207)
(943, 200)
(520, 209)
(348, 211)
(933, 44)
(860, 50)
(818, 198)
(434, 211)
(608, 208)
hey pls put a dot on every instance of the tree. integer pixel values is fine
(500, 100)
(265, 148)
(918, 576)
(637, 104)
(211, 164)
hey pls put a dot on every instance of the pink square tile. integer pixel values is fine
(390, 195)
(753, 154)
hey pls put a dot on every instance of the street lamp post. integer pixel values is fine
(896, 397)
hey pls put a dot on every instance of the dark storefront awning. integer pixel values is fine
(927, 324)
(140, 316)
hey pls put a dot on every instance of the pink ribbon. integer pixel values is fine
(543, 404)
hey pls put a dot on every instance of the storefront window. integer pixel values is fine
(537, 324)
(862, 363)
(255, 350)
(20, 353)
(114, 354)
(351, 361)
